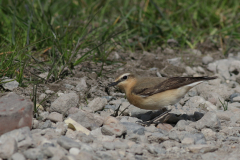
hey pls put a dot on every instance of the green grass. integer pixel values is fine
(39, 36)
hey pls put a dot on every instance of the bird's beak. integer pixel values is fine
(113, 84)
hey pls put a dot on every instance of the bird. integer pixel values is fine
(155, 93)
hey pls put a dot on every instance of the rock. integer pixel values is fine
(64, 103)
(97, 104)
(18, 156)
(22, 136)
(182, 124)
(61, 128)
(67, 143)
(113, 129)
(85, 138)
(43, 115)
(199, 69)
(49, 91)
(83, 155)
(110, 119)
(208, 133)
(221, 91)
(109, 145)
(209, 120)
(190, 71)
(195, 51)
(89, 120)
(157, 137)
(233, 96)
(42, 97)
(68, 86)
(211, 156)
(44, 125)
(9, 84)
(236, 99)
(198, 138)
(202, 148)
(174, 61)
(55, 117)
(207, 59)
(224, 115)
(187, 141)
(165, 126)
(15, 112)
(56, 152)
(132, 127)
(34, 153)
(74, 151)
(8, 148)
(82, 85)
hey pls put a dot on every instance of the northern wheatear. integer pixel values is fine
(155, 93)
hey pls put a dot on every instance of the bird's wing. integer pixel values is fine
(166, 84)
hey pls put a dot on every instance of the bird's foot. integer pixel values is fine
(159, 119)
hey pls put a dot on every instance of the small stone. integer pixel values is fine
(202, 148)
(83, 155)
(172, 42)
(88, 120)
(190, 71)
(33, 153)
(22, 136)
(85, 138)
(207, 59)
(69, 86)
(208, 133)
(8, 148)
(67, 143)
(165, 126)
(224, 115)
(187, 141)
(18, 156)
(42, 97)
(109, 145)
(44, 125)
(113, 129)
(9, 84)
(157, 137)
(74, 151)
(64, 103)
(82, 85)
(97, 104)
(195, 51)
(35, 124)
(55, 117)
(182, 124)
(109, 120)
(61, 128)
(174, 61)
(131, 127)
(209, 120)
(15, 112)
(236, 99)
(43, 115)
(49, 91)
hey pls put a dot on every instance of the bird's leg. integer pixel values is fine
(156, 120)
(124, 110)
(116, 111)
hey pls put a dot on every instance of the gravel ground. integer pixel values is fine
(77, 121)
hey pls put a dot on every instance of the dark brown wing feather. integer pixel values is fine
(168, 84)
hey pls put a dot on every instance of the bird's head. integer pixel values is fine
(124, 81)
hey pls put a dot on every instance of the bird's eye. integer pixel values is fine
(124, 77)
